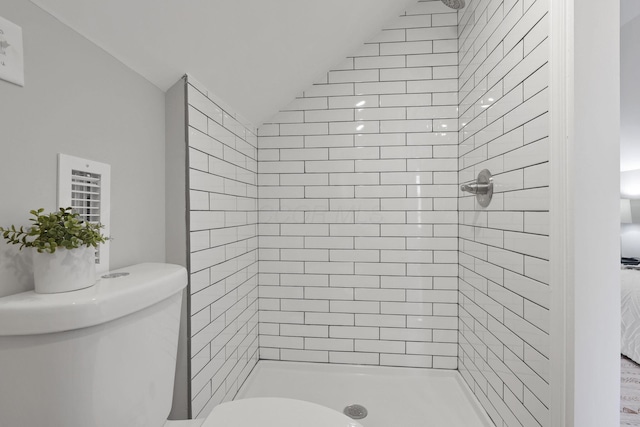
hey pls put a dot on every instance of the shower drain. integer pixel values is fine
(356, 412)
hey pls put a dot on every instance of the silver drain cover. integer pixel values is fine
(356, 412)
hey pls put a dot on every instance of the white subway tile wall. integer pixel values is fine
(223, 209)
(358, 205)
(503, 338)
(369, 254)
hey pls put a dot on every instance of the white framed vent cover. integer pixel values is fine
(85, 186)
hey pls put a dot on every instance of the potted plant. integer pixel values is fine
(64, 255)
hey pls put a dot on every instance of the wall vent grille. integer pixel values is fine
(85, 197)
(84, 186)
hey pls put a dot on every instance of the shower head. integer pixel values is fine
(454, 4)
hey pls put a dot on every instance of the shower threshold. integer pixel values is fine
(392, 396)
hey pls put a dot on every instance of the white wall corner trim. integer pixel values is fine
(561, 330)
(585, 314)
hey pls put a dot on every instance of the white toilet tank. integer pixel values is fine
(103, 356)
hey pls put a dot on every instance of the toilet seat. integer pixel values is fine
(275, 412)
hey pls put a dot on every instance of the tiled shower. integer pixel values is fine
(339, 233)
(504, 273)
(223, 248)
(358, 206)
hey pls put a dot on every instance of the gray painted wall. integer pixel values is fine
(80, 101)
(629, 95)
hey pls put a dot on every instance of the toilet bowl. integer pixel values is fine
(105, 356)
(269, 412)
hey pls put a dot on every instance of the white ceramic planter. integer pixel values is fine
(64, 270)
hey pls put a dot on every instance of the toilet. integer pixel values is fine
(105, 356)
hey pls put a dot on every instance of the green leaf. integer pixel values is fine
(62, 228)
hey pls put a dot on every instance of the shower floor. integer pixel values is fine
(392, 396)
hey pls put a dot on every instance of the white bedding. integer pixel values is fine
(630, 280)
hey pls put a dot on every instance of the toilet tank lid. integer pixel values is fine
(29, 313)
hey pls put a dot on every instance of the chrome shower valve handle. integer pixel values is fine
(481, 187)
(475, 188)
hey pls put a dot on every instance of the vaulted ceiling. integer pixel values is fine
(256, 55)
